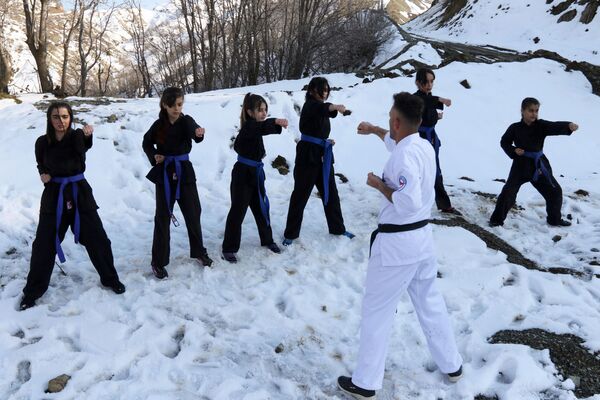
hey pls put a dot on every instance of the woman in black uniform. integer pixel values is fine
(248, 176)
(431, 114)
(67, 201)
(314, 162)
(167, 145)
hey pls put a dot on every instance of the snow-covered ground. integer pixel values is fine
(514, 25)
(212, 333)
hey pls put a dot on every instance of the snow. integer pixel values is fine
(514, 25)
(212, 333)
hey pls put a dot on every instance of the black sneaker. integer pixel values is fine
(229, 257)
(26, 302)
(494, 224)
(562, 222)
(274, 248)
(205, 260)
(117, 287)
(159, 272)
(455, 376)
(346, 386)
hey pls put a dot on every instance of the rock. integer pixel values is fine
(342, 177)
(465, 83)
(570, 217)
(583, 193)
(556, 238)
(112, 118)
(324, 308)
(466, 178)
(11, 251)
(281, 165)
(595, 263)
(279, 348)
(536, 40)
(58, 384)
(568, 16)
(500, 180)
(595, 250)
(589, 12)
(561, 7)
(366, 80)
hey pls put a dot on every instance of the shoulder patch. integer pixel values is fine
(402, 181)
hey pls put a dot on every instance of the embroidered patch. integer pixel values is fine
(402, 182)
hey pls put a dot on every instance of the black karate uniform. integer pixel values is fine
(308, 171)
(177, 141)
(244, 184)
(62, 159)
(530, 138)
(430, 119)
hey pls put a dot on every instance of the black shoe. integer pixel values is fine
(274, 248)
(451, 210)
(494, 224)
(117, 287)
(455, 376)
(229, 257)
(346, 385)
(205, 260)
(159, 272)
(26, 302)
(562, 222)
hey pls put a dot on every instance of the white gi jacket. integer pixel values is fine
(411, 172)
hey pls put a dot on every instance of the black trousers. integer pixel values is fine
(520, 173)
(442, 200)
(305, 178)
(92, 236)
(189, 204)
(244, 193)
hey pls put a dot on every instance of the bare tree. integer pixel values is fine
(36, 16)
(69, 27)
(136, 27)
(5, 62)
(90, 38)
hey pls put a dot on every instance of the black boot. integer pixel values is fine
(274, 248)
(205, 260)
(561, 222)
(159, 272)
(230, 257)
(26, 302)
(117, 287)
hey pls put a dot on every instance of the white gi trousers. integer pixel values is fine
(384, 288)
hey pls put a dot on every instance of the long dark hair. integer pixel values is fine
(251, 102)
(55, 105)
(169, 97)
(318, 85)
(422, 75)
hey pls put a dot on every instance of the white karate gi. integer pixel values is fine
(404, 261)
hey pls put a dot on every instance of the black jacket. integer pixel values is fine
(61, 159)
(314, 121)
(432, 105)
(249, 141)
(531, 137)
(177, 141)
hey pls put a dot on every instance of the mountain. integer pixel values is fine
(403, 11)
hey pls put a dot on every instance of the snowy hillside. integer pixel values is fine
(570, 27)
(403, 11)
(285, 326)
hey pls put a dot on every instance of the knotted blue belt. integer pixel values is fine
(540, 167)
(327, 161)
(64, 181)
(429, 132)
(260, 178)
(178, 173)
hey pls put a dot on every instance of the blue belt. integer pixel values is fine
(262, 192)
(177, 160)
(432, 138)
(64, 181)
(540, 167)
(327, 161)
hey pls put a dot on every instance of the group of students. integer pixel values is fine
(411, 183)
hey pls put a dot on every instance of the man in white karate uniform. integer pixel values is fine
(402, 253)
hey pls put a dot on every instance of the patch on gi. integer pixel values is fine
(402, 182)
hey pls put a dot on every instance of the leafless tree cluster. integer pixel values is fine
(202, 44)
